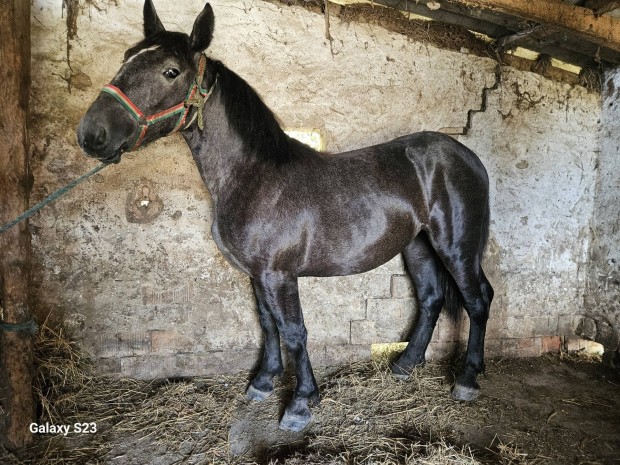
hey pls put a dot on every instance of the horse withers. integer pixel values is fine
(283, 210)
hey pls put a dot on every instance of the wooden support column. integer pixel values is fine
(15, 181)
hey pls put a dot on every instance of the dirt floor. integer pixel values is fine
(551, 410)
(547, 410)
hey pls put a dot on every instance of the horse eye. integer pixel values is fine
(171, 73)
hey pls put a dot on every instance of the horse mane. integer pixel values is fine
(251, 119)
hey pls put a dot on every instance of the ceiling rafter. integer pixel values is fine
(572, 34)
(600, 29)
(602, 6)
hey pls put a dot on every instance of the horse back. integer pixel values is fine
(340, 214)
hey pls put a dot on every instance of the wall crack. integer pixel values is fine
(464, 130)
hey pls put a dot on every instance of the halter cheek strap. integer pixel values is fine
(196, 97)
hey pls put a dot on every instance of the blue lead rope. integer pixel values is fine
(50, 198)
(29, 327)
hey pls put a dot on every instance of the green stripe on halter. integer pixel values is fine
(178, 109)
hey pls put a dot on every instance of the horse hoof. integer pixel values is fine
(400, 373)
(465, 393)
(401, 376)
(294, 423)
(256, 394)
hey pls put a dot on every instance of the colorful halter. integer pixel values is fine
(182, 109)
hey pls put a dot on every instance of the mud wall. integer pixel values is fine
(146, 290)
(602, 323)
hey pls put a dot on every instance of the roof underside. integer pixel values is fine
(584, 33)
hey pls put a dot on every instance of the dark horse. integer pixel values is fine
(283, 210)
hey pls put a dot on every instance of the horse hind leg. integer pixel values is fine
(424, 268)
(477, 295)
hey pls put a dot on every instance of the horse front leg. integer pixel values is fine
(261, 386)
(280, 293)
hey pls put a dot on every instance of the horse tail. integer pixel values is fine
(453, 301)
(485, 230)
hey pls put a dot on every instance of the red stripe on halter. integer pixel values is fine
(124, 100)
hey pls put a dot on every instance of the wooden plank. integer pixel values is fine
(15, 346)
(602, 30)
(538, 33)
(571, 50)
(497, 25)
(602, 6)
(452, 16)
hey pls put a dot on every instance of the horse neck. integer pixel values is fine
(217, 150)
(239, 141)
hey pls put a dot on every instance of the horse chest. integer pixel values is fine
(227, 249)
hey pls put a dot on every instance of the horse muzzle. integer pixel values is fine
(104, 138)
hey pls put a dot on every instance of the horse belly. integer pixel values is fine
(358, 247)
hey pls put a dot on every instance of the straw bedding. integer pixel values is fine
(366, 416)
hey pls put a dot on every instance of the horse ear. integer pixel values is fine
(152, 24)
(202, 32)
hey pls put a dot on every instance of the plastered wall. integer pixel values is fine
(602, 321)
(147, 292)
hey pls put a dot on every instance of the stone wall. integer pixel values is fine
(602, 323)
(151, 295)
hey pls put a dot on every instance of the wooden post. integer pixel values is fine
(15, 181)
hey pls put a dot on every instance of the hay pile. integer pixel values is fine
(368, 416)
(365, 417)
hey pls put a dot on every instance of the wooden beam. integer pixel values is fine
(538, 32)
(565, 46)
(15, 343)
(602, 6)
(602, 30)
(454, 16)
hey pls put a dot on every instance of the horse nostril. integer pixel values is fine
(100, 137)
(93, 138)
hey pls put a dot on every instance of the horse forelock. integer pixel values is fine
(176, 43)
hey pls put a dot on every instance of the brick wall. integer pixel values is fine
(386, 316)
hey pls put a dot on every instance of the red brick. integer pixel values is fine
(170, 341)
(551, 344)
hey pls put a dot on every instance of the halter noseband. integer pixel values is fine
(196, 97)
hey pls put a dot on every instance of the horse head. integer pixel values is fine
(158, 90)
